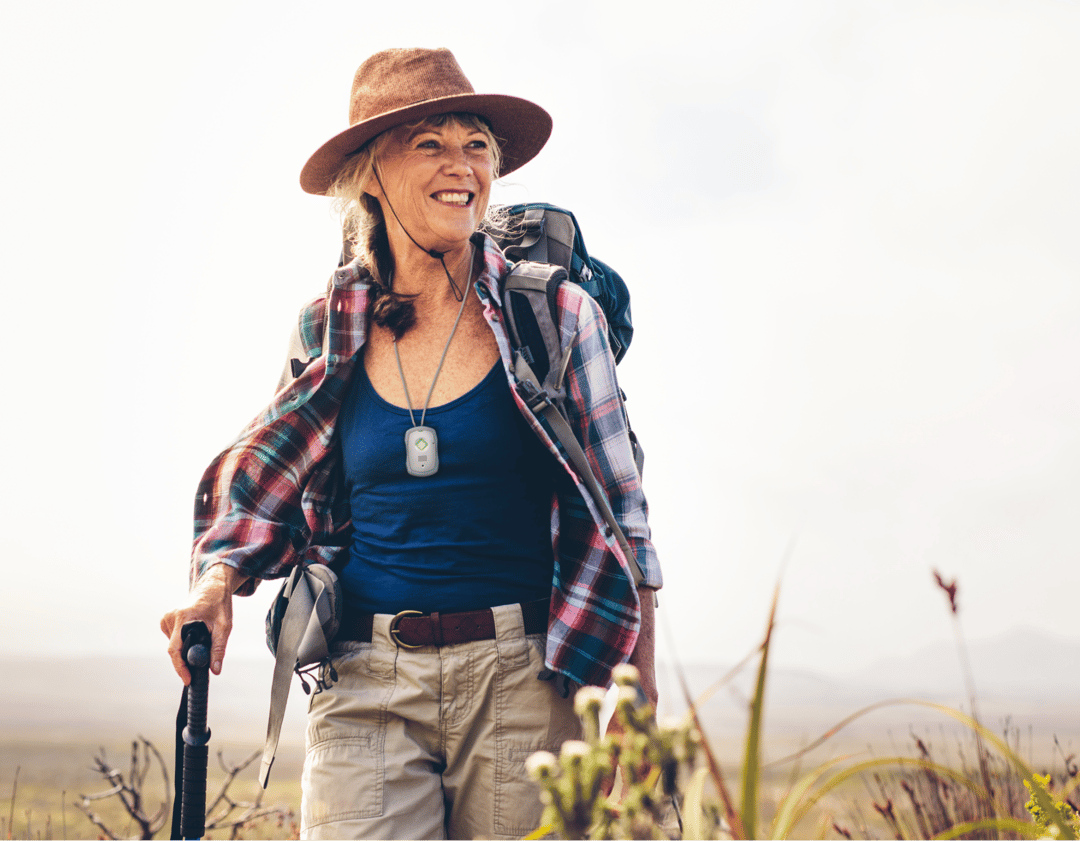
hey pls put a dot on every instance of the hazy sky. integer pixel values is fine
(850, 229)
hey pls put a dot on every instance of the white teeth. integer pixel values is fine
(459, 199)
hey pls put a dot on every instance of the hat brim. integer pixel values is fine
(521, 126)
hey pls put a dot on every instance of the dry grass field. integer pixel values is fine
(53, 772)
(49, 741)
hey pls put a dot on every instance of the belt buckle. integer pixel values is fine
(394, 628)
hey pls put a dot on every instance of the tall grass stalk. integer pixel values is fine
(680, 759)
(751, 771)
(951, 591)
(692, 719)
(11, 813)
(797, 804)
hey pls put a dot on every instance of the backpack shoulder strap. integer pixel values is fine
(561, 427)
(545, 233)
(539, 366)
(530, 297)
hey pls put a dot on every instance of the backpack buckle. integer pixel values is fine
(534, 398)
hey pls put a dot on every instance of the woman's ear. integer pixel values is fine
(371, 185)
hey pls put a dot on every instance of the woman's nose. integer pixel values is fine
(458, 159)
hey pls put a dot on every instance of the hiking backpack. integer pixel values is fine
(543, 233)
(546, 249)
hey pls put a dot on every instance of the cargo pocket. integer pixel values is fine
(530, 717)
(345, 765)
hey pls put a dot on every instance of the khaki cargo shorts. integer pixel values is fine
(432, 742)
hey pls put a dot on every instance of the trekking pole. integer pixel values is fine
(196, 736)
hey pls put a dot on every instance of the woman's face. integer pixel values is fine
(438, 180)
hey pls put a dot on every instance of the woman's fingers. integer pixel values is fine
(171, 626)
(211, 604)
(219, 634)
(220, 626)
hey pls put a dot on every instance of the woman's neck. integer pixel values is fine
(418, 273)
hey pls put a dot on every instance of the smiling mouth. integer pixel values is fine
(454, 199)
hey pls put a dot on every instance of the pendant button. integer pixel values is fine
(421, 451)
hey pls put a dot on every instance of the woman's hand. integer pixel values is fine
(643, 658)
(211, 604)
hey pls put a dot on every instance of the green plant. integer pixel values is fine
(648, 756)
(1061, 811)
(674, 763)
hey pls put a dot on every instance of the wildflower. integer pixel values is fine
(587, 704)
(588, 700)
(574, 749)
(627, 695)
(541, 765)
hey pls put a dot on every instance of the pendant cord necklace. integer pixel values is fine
(422, 442)
(442, 359)
(431, 252)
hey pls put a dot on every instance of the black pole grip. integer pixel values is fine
(197, 641)
(198, 660)
(193, 808)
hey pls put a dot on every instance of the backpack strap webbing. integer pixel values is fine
(578, 459)
(539, 365)
(302, 632)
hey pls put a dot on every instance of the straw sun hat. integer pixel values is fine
(394, 87)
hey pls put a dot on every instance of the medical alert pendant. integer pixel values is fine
(421, 451)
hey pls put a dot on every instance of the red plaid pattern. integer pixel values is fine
(275, 497)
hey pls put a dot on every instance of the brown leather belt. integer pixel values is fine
(411, 629)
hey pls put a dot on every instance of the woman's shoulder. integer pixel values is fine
(311, 322)
(309, 325)
(579, 308)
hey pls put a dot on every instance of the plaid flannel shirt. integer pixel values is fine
(275, 497)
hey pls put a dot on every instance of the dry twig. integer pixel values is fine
(224, 812)
(130, 792)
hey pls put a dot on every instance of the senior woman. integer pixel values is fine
(397, 450)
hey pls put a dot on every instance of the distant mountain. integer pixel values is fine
(105, 699)
(1024, 679)
(1022, 663)
(1022, 672)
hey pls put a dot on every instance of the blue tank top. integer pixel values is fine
(476, 534)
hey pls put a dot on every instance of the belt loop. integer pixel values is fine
(436, 629)
(509, 621)
(510, 636)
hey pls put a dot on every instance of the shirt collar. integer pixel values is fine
(493, 269)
